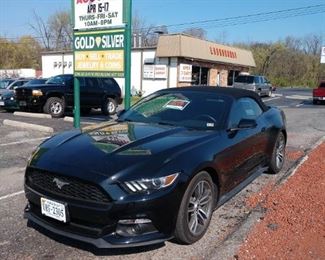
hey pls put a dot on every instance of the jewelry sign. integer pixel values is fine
(99, 53)
(97, 14)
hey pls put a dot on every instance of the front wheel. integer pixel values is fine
(55, 107)
(278, 155)
(109, 106)
(196, 209)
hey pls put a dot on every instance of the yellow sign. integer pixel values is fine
(111, 60)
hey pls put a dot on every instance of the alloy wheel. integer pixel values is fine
(280, 150)
(56, 108)
(200, 207)
(111, 107)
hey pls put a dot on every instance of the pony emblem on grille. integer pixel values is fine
(60, 183)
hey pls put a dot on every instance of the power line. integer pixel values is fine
(311, 8)
(229, 21)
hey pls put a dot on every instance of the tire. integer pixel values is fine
(188, 227)
(315, 102)
(109, 106)
(55, 107)
(278, 154)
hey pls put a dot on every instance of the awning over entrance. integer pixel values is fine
(180, 45)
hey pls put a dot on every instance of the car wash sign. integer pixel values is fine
(97, 14)
(99, 53)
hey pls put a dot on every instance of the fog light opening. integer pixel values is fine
(135, 227)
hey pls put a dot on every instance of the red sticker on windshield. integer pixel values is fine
(177, 104)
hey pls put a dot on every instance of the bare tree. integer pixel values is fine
(56, 33)
(61, 30)
(312, 44)
(42, 31)
(148, 33)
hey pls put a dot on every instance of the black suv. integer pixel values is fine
(56, 95)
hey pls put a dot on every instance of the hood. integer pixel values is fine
(6, 92)
(116, 149)
(37, 86)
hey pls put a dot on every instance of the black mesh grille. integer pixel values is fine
(70, 187)
(22, 93)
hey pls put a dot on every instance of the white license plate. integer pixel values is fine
(54, 209)
(22, 103)
(2, 103)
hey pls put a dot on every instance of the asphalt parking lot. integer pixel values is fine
(229, 225)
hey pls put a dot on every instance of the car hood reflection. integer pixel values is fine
(110, 148)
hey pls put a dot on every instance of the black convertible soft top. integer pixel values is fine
(227, 91)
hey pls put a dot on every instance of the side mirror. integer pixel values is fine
(244, 124)
(247, 123)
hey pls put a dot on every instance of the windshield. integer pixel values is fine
(35, 82)
(245, 79)
(5, 83)
(59, 80)
(202, 110)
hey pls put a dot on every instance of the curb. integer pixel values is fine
(40, 128)
(25, 114)
(68, 119)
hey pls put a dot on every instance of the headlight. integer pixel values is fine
(144, 185)
(37, 93)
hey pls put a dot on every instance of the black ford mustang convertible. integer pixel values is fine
(158, 171)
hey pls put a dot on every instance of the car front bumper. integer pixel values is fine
(319, 98)
(99, 226)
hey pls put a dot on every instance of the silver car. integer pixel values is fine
(259, 84)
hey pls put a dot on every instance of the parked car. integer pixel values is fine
(56, 95)
(13, 84)
(5, 82)
(8, 101)
(158, 171)
(8, 98)
(319, 93)
(258, 84)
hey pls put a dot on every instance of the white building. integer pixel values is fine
(178, 60)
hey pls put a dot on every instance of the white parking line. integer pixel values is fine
(11, 195)
(298, 97)
(25, 141)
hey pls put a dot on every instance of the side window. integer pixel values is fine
(82, 83)
(256, 80)
(92, 83)
(107, 82)
(244, 108)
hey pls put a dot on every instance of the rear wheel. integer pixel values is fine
(278, 155)
(55, 107)
(196, 209)
(109, 106)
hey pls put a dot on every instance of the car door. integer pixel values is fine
(247, 149)
(92, 91)
(68, 89)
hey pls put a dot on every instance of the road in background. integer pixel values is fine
(306, 125)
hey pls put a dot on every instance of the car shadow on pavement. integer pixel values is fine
(92, 249)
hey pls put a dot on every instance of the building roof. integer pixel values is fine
(181, 45)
